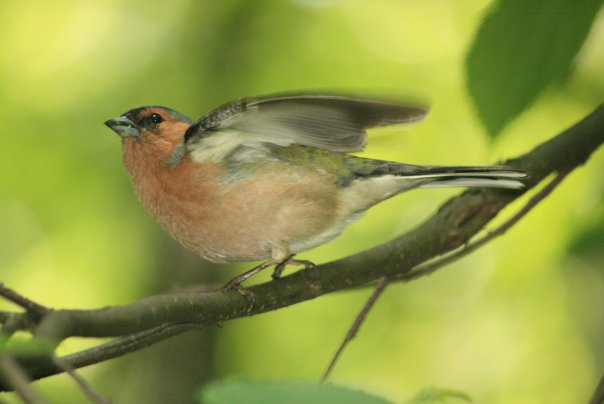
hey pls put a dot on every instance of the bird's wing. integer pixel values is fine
(330, 122)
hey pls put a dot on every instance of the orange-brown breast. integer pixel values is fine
(280, 208)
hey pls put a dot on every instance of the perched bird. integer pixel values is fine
(266, 178)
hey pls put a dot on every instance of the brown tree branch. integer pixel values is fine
(448, 229)
(30, 306)
(598, 396)
(432, 266)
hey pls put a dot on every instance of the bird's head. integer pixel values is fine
(152, 132)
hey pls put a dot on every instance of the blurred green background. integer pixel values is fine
(521, 321)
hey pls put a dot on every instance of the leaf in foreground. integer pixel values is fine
(522, 47)
(262, 392)
(441, 396)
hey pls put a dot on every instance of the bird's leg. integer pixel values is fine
(235, 283)
(290, 261)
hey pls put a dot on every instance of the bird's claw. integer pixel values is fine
(291, 261)
(235, 285)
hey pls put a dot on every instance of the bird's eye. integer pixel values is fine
(156, 118)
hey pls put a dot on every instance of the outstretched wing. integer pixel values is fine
(330, 122)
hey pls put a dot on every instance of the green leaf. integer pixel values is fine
(255, 392)
(521, 47)
(437, 395)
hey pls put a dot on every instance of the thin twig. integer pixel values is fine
(356, 325)
(113, 349)
(598, 396)
(81, 382)
(127, 344)
(427, 269)
(14, 376)
(29, 305)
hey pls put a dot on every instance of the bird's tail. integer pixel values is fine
(488, 176)
(409, 176)
(374, 180)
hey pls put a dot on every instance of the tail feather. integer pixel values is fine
(489, 176)
(466, 182)
(375, 181)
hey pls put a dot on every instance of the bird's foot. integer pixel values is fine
(235, 283)
(280, 267)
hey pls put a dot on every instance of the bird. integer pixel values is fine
(265, 178)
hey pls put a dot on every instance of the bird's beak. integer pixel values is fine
(123, 126)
